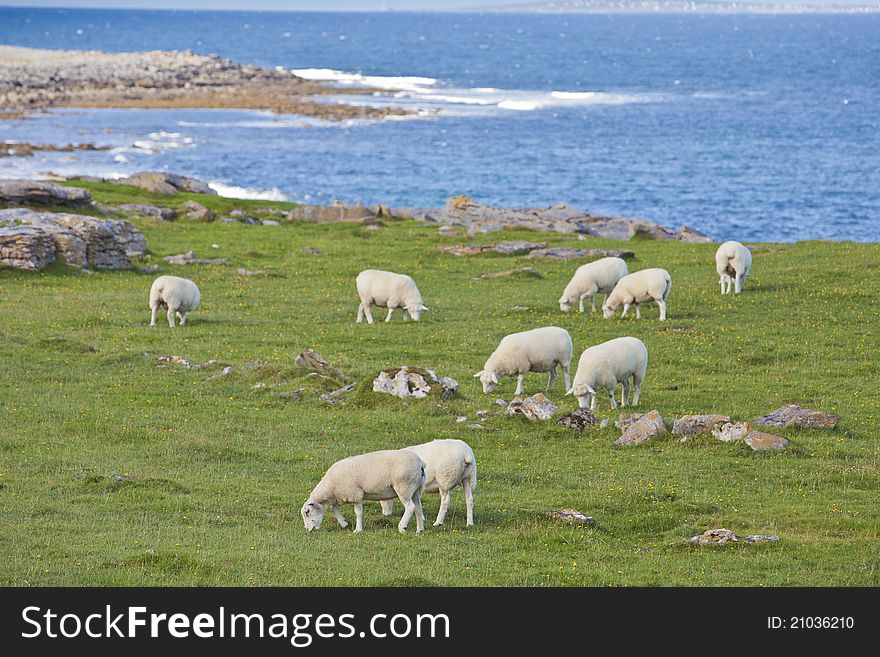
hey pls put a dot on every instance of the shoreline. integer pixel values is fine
(34, 79)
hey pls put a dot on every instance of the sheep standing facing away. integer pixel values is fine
(178, 295)
(591, 279)
(732, 262)
(637, 288)
(388, 290)
(605, 365)
(373, 476)
(448, 463)
(538, 350)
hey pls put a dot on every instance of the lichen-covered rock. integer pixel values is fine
(793, 415)
(692, 425)
(189, 258)
(578, 420)
(166, 184)
(725, 537)
(731, 432)
(571, 515)
(165, 214)
(31, 192)
(570, 253)
(406, 382)
(504, 248)
(198, 211)
(648, 426)
(25, 247)
(626, 419)
(536, 407)
(760, 441)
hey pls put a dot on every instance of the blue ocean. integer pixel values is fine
(752, 127)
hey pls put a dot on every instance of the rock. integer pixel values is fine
(731, 432)
(291, 394)
(324, 214)
(248, 272)
(77, 240)
(692, 425)
(165, 214)
(570, 253)
(793, 415)
(259, 386)
(189, 258)
(504, 248)
(30, 192)
(166, 184)
(460, 419)
(271, 222)
(648, 426)
(406, 382)
(152, 269)
(688, 234)
(500, 402)
(336, 396)
(312, 360)
(312, 250)
(578, 420)
(725, 537)
(625, 420)
(198, 211)
(572, 516)
(536, 407)
(530, 272)
(175, 360)
(25, 247)
(760, 441)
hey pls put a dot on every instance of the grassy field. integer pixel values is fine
(217, 470)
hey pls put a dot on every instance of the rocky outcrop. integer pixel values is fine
(413, 382)
(643, 429)
(793, 415)
(31, 192)
(725, 537)
(198, 211)
(570, 253)
(23, 149)
(165, 214)
(312, 360)
(693, 425)
(76, 240)
(504, 248)
(329, 214)
(166, 184)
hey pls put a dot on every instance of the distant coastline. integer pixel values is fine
(668, 7)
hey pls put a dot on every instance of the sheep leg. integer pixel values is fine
(625, 309)
(170, 316)
(638, 311)
(387, 507)
(611, 397)
(662, 304)
(444, 506)
(360, 318)
(368, 312)
(566, 376)
(405, 314)
(552, 379)
(592, 402)
(359, 514)
(739, 282)
(339, 517)
(409, 508)
(155, 310)
(519, 384)
(420, 512)
(390, 312)
(721, 280)
(469, 500)
(637, 388)
(625, 396)
(182, 317)
(593, 303)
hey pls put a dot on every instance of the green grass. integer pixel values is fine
(214, 472)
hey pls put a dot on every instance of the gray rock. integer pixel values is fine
(25, 247)
(571, 515)
(793, 415)
(166, 184)
(726, 537)
(165, 214)
(337, 396)
(570, 253)
(626, 419)
(417, 383)
(312, 360)
(760, 441)
(536, 407)
(504, 248)
(731, 432)
(198, 211)
(692, 425)
(31, 192)
(189, 258)
(578, 419)
(323, 214)
(648, 426)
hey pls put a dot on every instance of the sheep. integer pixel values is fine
(732, 260)
(605, 365)
(448, 463)
(637, 288)
(591, 279)
(385, 288)
(538, 350)
(371, 476)
(179, 295)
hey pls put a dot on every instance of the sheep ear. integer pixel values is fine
(424, 308)
(590, 390)
(494, 377)
(478, 374)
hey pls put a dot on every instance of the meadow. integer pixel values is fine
(211, 471)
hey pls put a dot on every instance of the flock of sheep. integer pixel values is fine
(441, 465)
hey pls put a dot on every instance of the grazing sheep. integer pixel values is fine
(637, 288)
(591, 279)
(389, 290)
(538, 350)
(733, 261)
(373, 476)
(448, 463)
(179, 295)
(604, 366)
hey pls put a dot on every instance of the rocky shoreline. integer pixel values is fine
(33, 79)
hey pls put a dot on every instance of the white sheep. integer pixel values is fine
(178, 295)
(732, 261)
(372, 476)
(389, 290)
(591, 279)
(538, 350)
(605, 365)
(637, 288)
(448, 463)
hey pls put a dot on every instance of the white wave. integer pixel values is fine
(389, 82)
(519, 105)
(287, 122)
(232, 191)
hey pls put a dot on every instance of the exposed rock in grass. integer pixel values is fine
(452, 231)
(165, 214)
(312, 250)
(328, 214)
(725, 537)
(760, 441)
(571, 515)
(626, 419)
(731, 432)
(166, 184)
(291, 395)
(693, 425)
(175, 360)
(77, 240)
(248, 272)
(412, 382)
(648, 426)
(536, 407)
(529, 272)
(688, 234)
(189, 258)
(31, 192)
(25, 247)
(338, 396)
(312, 360)
(578, 419)
(793, 415)
(504, 248)
(198, 211)
(570, 253)
(270, 222)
